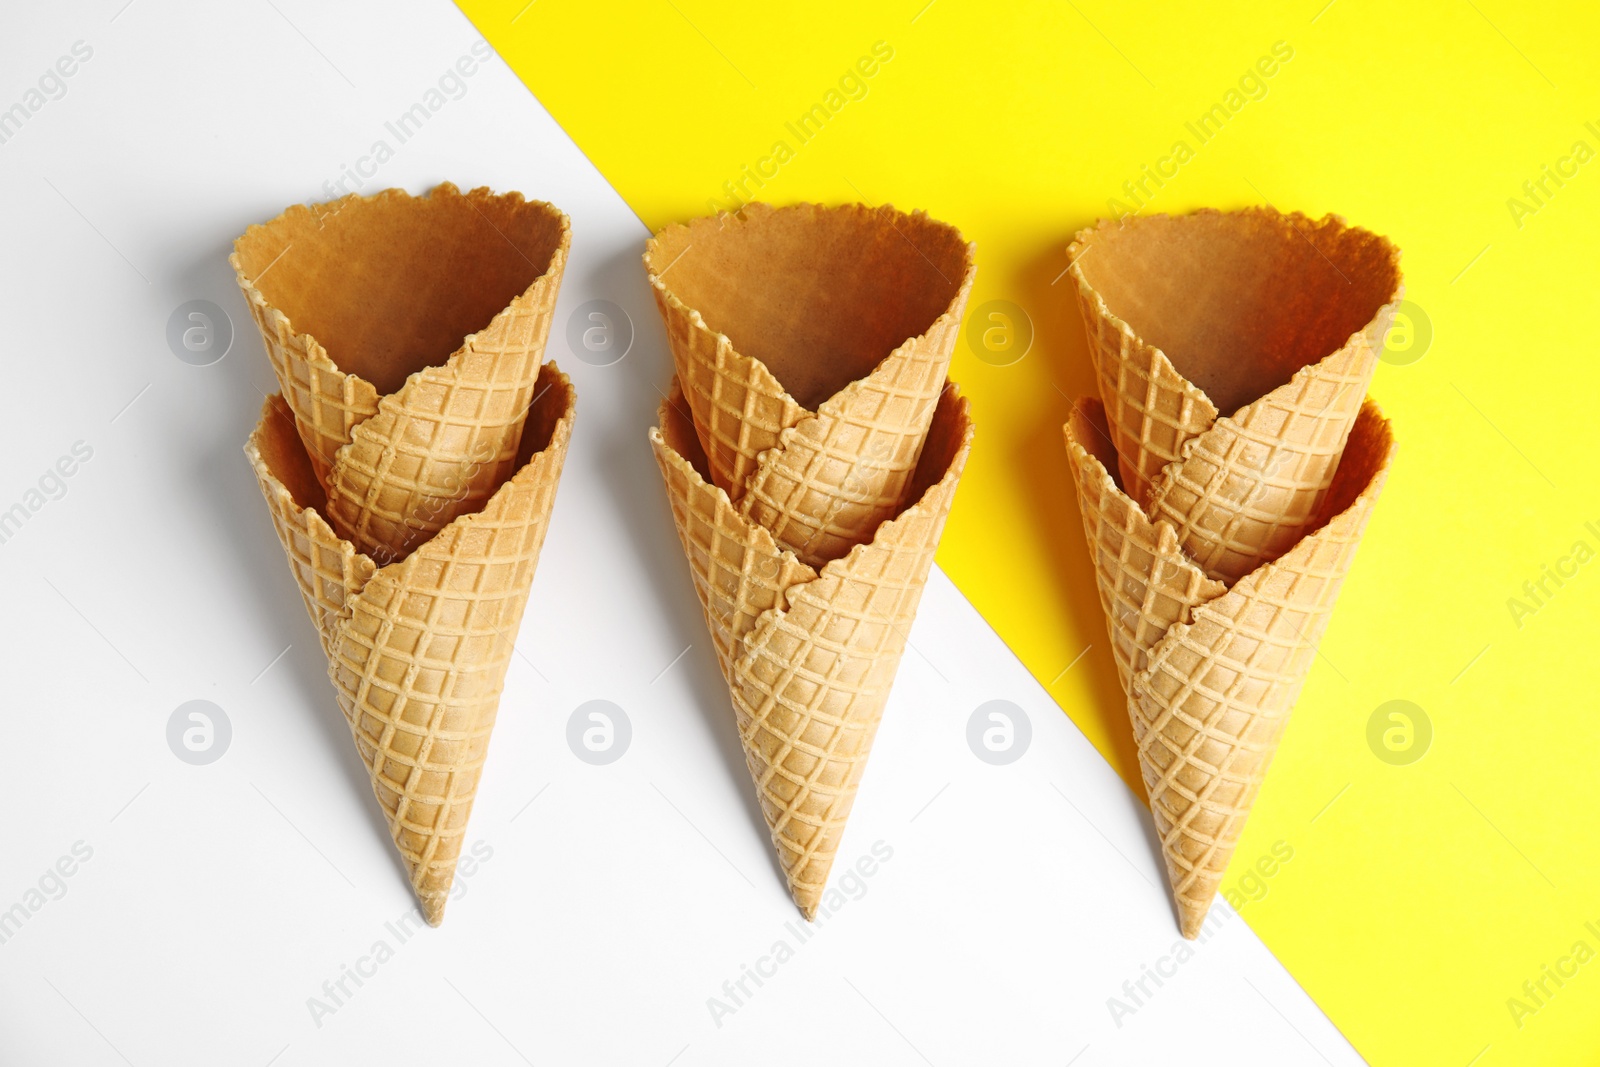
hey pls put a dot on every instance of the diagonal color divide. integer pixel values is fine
(995, 117)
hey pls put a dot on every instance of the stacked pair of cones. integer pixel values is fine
(1220, 540)
(410, 464)
(811, 445)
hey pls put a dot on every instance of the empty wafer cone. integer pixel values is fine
(811, 447)
(409, 466)
(406, 333)
(812, 344)
(809, 654)
(418, 649)
(1262, 326)
(1220, 541)
(1212, 672)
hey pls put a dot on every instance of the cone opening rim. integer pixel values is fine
(554, 426)
(1372, 435)
(956, 432)
(466, 311)
(807, 387)
(1282, 345)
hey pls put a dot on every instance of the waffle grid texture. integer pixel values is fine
(809, 656)
(1220, 551)
(1239, 489)
(418, 649)
(810, 534)
(1212, 672)
(399, 468)
(413, 521)
(819, 481)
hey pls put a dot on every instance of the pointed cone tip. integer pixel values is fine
(1191, 917)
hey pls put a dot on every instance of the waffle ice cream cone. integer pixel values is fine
(809, 655)
(1278, 319)
(437, 309)
(418, 628)
(1220, 541)
(812, 345)
(811, 447)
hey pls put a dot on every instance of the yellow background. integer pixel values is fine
(1422, 897)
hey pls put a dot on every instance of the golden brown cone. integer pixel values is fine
(779, 320)
(1146, 583)
(406, 334)
(418, 649)
(1276, 318)
(1211, 675)
(809, 655)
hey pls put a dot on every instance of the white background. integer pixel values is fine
(618, 898)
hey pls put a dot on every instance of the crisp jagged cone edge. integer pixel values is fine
(1244, 491)
(1146, 583)
(1210, 695)
(821, 482)
(397, 469)
(809, 656)
(1156, 408)
(418, 649)
(1244, 487)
